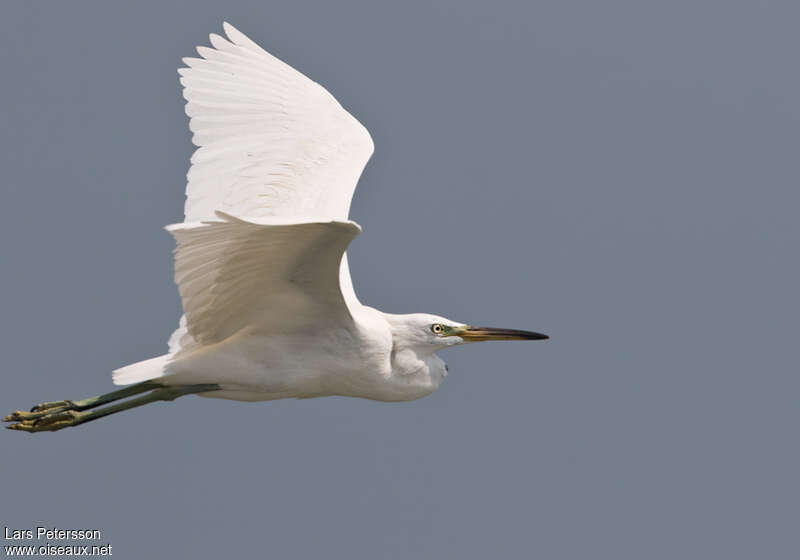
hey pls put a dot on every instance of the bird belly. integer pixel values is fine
(260, 368)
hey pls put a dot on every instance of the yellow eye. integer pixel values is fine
(437, 328)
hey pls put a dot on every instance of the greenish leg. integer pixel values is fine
(52, 407)
(78, 412)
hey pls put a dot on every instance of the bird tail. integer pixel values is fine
(141, 371)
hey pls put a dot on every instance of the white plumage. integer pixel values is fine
(271, 143)
(260, 262)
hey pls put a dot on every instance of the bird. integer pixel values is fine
(269, 309)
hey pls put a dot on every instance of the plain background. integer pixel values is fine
(622, 175)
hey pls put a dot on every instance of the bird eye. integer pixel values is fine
(437, 328)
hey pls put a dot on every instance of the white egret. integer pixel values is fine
(260, 263)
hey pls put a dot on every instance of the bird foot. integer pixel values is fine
(56, 415)
(51, 421)
(40, 411)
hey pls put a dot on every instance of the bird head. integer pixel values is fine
(422, 331)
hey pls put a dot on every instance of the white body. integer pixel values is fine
(270, 310)
(357, 362)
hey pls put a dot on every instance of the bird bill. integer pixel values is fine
(477, 334)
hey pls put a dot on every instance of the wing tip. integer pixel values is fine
(217, 41)
(232, 33)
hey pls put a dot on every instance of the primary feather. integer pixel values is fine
(271, 141)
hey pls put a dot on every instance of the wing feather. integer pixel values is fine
(259, 275)
(273, 144)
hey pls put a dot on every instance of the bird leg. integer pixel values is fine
(56, 415)
(52, 407)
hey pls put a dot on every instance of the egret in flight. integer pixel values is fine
(260, 263)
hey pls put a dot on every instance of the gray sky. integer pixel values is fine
(621, 175)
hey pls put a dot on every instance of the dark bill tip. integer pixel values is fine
(491, 333)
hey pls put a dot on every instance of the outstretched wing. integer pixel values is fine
(260, 275)
(271, 141)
